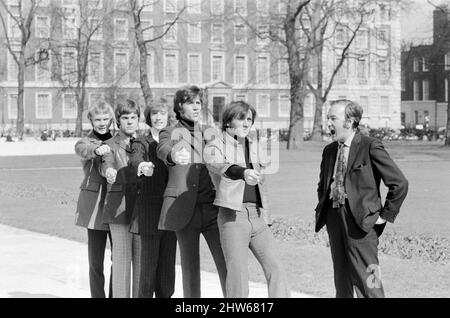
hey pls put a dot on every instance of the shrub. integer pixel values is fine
(414, 247)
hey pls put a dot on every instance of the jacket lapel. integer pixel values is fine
(331, 163)
(354, 149)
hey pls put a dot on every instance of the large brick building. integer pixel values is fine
(210, 46)
(425, 78)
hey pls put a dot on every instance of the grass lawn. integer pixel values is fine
(44, 201)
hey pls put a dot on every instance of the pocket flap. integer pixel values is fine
(115, 188)
(374, 208)
(91, 186)
(171, 192)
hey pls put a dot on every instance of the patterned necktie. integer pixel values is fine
(338, 191)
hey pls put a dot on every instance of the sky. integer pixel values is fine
(417, 21)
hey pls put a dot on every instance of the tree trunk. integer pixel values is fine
(20, 91)
(140, 42)
(80, 109)
(447, 135)
(296, 124)
(317, 132)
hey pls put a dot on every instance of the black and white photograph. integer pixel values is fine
(224, 149)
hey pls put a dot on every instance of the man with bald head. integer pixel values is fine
(350, 204)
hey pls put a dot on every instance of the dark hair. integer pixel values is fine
(352, 110)
(155, 106)
(128, 107)
(237, 109)
(184, 95)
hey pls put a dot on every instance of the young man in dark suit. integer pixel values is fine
(188, 206)
(350, 204)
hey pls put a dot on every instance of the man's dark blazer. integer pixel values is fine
(368, 163)
(181, 192)
(149, 199)
(121, 195)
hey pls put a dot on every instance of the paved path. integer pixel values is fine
(42, 266)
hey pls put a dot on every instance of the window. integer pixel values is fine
(284, 71)
(43, 106)
(194, 6)
(95, 67)
(150, 67)
(382, 39)
(340, 37)
(383, 69)
(13, 68)
(263, 35)
(262, 70)
(95, 28)
(361, 68)
(170, 6)
(425, 89)
(95, 4)
(446, 89)
(284, 106)
(217, 67)
(147, 5)
(170, 68)
(14, 29)
(416, 90)
(194, 68)
(120, 65)
(95, 98)
(384, 12)
(43, 3)
(43, 70)
(12, 106)
(121, 29)
(425, 66)
(403, 79)
(69, 106)
(147, 29)
(262, 6)
(217, 7)
(362, 39)
(121, 5)
(416, 64)
(240, 34)
(263, 105)
(69, 66)
(446, 61)
(240, 7)
(364, 102)
(242, 97)
(42, 27)
(282, 8)
(70, 27)
(240, 69)
(309, 105)
(195, 32)
(171, 35)
(217, 33)
(342, 73)
(384, 107)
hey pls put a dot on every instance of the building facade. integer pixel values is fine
(211, 46)
(425, 77)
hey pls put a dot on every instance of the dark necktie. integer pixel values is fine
(338, 191)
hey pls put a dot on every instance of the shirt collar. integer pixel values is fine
(348, 142)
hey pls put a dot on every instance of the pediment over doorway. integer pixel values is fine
(218, 85)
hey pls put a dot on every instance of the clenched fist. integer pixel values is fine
(181, 157)
(252, 177)
(146, 169)
(102, 150)
(111, 175)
